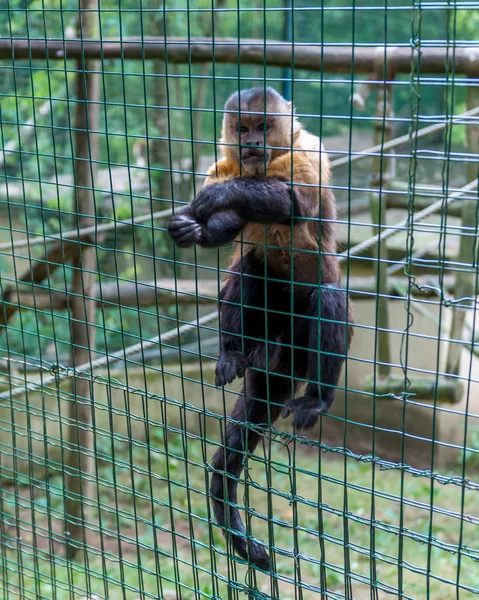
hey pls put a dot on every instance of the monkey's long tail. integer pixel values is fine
(228, 464)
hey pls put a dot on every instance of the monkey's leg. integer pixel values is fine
(240, 294)
(231, 361)
(251, 408)
(319, 395)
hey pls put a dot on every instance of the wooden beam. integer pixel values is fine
(57, 255)
(401, 201)
(466, 280)
(381, 171)
(443, 390)
(109, 295)
(336, 59)
(190, 292)
(79, 460)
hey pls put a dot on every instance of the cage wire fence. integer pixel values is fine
(109, 118)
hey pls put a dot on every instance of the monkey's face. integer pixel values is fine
(253, 134)
(259, 137)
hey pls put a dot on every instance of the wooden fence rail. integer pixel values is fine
(312, 57)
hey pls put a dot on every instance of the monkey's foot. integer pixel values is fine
(305, 411)
(230, 366)
(184, 230)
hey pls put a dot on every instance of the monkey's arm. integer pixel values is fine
(185, 229)
(254, 199)
(219, 212)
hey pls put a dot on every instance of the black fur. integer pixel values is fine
(255, 199)
(319, 397)
(246, 326)
(252, 407)
(258, 335)
(219, 212)
(185, 229)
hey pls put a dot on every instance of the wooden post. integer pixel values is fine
(82, 313)
(377, 202)
(444, 390)
(465, 279)
(160, 153)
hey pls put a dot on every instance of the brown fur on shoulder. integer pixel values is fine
(305, 165)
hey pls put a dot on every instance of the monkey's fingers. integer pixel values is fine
(305, 411)
(291, 406)
(180, 221)
(184, 231)
(230, 366)
(203, 204)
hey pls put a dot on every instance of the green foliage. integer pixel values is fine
(164, 483)
(466, 24)
(470, 457)
(123, 114)
(151, 506)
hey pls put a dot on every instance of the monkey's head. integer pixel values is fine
(258, 126)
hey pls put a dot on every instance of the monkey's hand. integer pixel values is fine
(230, 366)
(184, 229)
(305, 411)
(211, 199)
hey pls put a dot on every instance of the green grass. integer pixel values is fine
(149, 533)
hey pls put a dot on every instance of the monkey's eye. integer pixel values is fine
(263, 127)
(243, 129)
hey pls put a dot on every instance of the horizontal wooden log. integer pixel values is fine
(402, 202)
(143, 295)
(366, 288)
(335, 59)
(398, 201)
(139, 295)
(57, 255)
(164, 293)
(424, 196)
(443, 390)
(395, 253)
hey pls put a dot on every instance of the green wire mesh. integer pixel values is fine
(109, 118)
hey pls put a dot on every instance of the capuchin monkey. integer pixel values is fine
(282, 299)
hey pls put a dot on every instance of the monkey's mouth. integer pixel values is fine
(250, 157)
